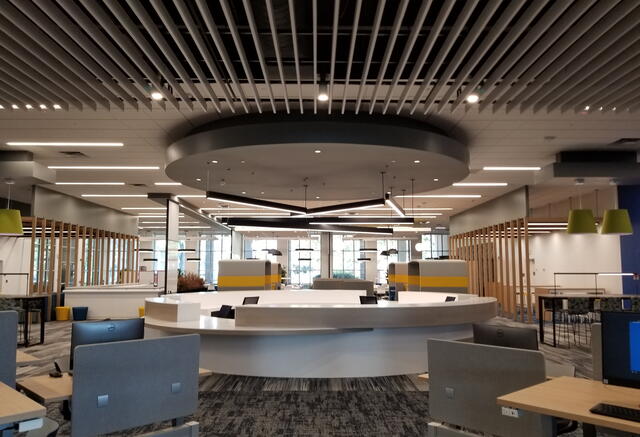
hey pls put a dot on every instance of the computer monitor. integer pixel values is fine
(368, 300)
(250, 300)
(225, 312)
(104, 332)
(505, 336)
(621, 348)
(450, 299)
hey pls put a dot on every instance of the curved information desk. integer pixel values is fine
(316, 333)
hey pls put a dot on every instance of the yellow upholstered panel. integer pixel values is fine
(444, 281)
(241, 281)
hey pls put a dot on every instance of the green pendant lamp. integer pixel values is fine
(581, 221)
(10, 219)
(616, 222)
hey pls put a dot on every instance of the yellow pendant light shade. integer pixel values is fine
(10, 223)
(616, 222)
(581, 221)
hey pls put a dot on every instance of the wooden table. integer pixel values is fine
(16, 407)
(571, 398)
(46, 389)
(25, 359)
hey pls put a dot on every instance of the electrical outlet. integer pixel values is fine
(511, 412)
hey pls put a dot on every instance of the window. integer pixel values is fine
(159, 249)
(212, 251)
(258, 249)
(435, 246)
(404, 255)
(345, 252)
(304, 265)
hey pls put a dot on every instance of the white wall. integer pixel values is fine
(562, 252)
(14, 258)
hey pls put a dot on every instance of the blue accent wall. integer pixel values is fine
(629, 198)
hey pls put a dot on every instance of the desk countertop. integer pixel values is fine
(16, 407)
(571, 398)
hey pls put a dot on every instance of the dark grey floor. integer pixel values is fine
(250, 406)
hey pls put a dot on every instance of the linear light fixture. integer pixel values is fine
(231, 198)
(195, 227)
(114, 195)
(186, 250)
(103, 167)
(616, 274)
(394, 205)
(369, 249)
(364, 204)
(90, 183)
(362, 221)
(548, 224)
(511, 168)
(189, 260)
(167, 183)
(480, 184)
(191, 196)
(443, 196)
(61, 144)
(363, 259)
(159, 208)
(145, 250)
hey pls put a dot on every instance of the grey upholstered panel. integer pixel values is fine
(146, 381)
(596, 350)
(466, 378)
(343, 284)
(8, 342)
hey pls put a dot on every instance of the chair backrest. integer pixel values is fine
(596, 350)
(8, 345)
(466, 378)
(125, 384)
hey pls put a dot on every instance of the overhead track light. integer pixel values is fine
(364, 204)
(394, 205)
(248, 201)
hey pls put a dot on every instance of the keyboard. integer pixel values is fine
(617, 412)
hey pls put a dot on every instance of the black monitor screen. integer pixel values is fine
(505, 336)
(368, 300)
(104, 332)
(450, 299)
(250, 300)
(621, 348)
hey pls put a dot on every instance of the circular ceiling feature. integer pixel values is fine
(338, 157)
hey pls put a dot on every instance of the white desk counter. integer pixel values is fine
(320, 333)
(116, 302)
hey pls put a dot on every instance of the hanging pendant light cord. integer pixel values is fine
(413, 210)
(9, 196)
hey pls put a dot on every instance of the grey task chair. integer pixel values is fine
(8, 346)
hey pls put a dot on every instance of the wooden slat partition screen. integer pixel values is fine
(65, 255)
(498, 257)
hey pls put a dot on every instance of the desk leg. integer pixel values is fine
(25, 308)
(43, 314)
(553, 320)
(541, 318)
(588, 430)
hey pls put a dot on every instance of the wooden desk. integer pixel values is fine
(24, 359)
(16, 407)
(571, 398)
(46, 389)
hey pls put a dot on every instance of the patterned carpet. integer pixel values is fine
(249, 406)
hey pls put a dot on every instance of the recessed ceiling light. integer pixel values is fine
(198, 179)
(242, 162)
(473, 98)
(586, 108)
(1, 107)
(213, 162)
(244, 192)
(600, 108)
(322, 92)
(114, 195)
(317, 197)
(167, 183)
(317, 151)
(62, 144)
(14, 106)
(56, 106)
(90, 183)
(497, 168)
(444, 196)
(417, 161)
(43, 106)
(480, 184)
(614, 108)
(435, 179)
(102, 167)
(261, 192)
(156, 95)
(28, 106)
